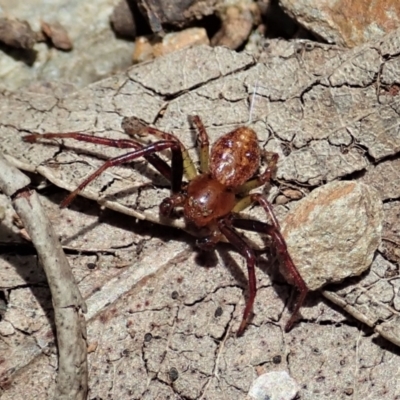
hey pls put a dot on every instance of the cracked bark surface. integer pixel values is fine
(161, 318)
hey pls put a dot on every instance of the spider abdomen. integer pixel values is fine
(235, 157)
(207, 199)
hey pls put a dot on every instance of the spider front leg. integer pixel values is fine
(168, 204)
(188, 165)
(204, 144)
(291, 273)
(175, 173)
(177, 166)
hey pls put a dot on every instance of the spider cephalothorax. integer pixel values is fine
(211, 198)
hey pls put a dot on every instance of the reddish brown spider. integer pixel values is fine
(211, 198)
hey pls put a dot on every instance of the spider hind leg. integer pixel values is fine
(273, 230)
(227, 229)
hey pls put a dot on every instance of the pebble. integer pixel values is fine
(275, 385)
(334, 232)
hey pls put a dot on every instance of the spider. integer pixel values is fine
(211, 198)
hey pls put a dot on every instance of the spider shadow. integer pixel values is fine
(349, 319)
(26, 264)
(22, 256)
(26, 56)
(266, 263)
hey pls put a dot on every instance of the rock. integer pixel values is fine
(276, 385)
(123, 21)
(17, 34)
(333, 233)
(57, 34)
(346, 23)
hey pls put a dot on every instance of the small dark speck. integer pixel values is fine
(147, 337)
(277, 359)
(91, 265)
(286, 150)
(218, 312)
(173, 374)
(174, 295)
(316, 350)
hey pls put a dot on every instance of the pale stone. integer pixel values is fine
(333, 233)
(275, 385)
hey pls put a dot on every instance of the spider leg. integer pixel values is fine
(203, 142)
(260, 179)
(169, 203)
(273, 230)
(188, 165)
(208, 243)
(226, 228)
(146, 151)
(159, 164)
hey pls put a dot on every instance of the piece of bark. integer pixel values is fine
(179, 13)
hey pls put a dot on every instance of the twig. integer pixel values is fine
(67, 300)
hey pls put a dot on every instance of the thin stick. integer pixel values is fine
(72, 376)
